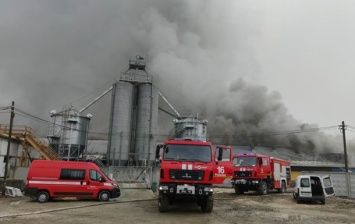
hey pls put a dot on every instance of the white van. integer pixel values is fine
(312, 188)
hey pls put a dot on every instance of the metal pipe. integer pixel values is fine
(177, 113)
(96, 99)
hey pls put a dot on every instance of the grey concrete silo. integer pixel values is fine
(119, 142)
(147, 116)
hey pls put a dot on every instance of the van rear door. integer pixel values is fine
(327, 186)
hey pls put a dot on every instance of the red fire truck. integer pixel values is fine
(260, 173)
(186, 170)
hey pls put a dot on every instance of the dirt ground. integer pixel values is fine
(140, 206)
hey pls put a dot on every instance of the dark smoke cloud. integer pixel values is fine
(201, 54)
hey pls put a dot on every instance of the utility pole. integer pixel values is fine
(8, 148)
(342, 128)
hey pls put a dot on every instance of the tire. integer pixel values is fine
(263, 188)
(163, 203)
(238, 190)
(104, 196)
(297, 196)
(42, 196)
(323, 201)
(207, 204)
(283, 188)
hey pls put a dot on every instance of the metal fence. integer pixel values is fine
(343, 183)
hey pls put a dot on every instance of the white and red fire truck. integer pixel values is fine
(260, 173)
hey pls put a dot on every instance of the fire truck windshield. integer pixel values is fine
(198, 153)
(244, 161)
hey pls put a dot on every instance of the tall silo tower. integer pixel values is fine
(68, 132)
(133, 117)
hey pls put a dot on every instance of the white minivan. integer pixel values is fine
(312, 188)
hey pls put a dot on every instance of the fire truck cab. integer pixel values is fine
(260, 173)
(186, 171)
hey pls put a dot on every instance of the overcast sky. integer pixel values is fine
(296, 55)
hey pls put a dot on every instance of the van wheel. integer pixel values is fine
(263, 188)
(207, 204)
(163, 203)
(42, 196)
(104, 196)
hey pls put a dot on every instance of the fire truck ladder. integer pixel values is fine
(27, 135)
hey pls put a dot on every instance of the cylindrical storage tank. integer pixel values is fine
(191, 128)
(68, 132)
(147, 116)
(120, 124)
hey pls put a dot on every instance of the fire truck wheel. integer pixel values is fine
(42, 196)
(263, 188)
(163, 203)
(104, 196)
(207, 204)
(238, 190)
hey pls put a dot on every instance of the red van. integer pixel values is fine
(54, 179)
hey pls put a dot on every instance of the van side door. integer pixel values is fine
(327, 186)
(71, 183)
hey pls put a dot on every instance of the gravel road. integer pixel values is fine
(140, 206)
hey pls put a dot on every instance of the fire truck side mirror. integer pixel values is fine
(220, 154)
(157, 151)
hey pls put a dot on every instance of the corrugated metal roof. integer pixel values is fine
(316, 164)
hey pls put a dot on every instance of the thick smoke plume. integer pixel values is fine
(200, 53)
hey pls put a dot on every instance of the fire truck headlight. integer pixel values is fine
(208, 189)
(163, 188)
(255, 181)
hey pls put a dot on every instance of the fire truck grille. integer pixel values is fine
(186, 174)
(242, 174)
